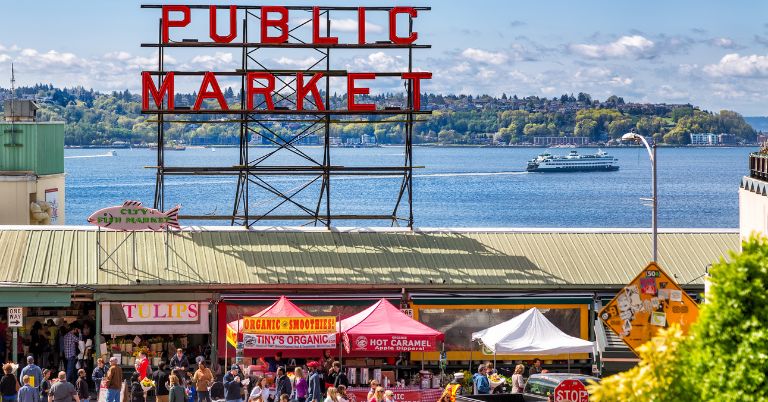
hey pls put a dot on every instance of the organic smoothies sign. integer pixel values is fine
(650, 302)
(289, 325)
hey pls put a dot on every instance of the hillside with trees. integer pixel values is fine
(95, 118)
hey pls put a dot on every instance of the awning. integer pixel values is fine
(35, 297)
(384, 328)
(530, 333)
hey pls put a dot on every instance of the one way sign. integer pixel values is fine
(15, 317)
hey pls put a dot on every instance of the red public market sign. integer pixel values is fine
(571, 391)
(274, 31)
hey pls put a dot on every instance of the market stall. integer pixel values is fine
(384, 329)
(530, 334)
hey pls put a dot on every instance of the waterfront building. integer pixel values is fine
(31, 167)
(704, 139)
(455, 280)
(753, 196)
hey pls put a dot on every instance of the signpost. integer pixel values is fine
(571, 391)
(651, 302)
(15, 320)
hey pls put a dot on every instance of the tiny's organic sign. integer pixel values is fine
(134, 216)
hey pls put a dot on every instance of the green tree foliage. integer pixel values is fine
(95, 118)
(725, 355)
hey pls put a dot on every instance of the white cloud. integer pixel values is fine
(120, 55)
(725, 43)
(735, 65)
(217, 61)
(484, 56)
(337, 25)
(4, 58)
(378, 61)
(635, 46)
(300, 63)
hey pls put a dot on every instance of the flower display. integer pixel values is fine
(147, 383)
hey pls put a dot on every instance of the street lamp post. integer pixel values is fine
(651, 148)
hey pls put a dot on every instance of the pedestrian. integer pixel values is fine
(8, 384)
(33, 371)
(331, 395)
(136, 390)
(45, 385)
(114, 380)
(70, 343)
(372, 391)
(284, 398)
(177, 393)
(179, 364)
(203, 378)
(28, 393)
(260, 390)
(300, 385)
(517, 379)
(233, 388)
(63, 390)
(81, 386)
(342, 391)
(389, 396)
(282, 383)
(160, 377)
(273, 363)
(315, 390)
(452, 389)
(378, 395)
(480, 381)
(536, 368)
(142, 365)
(99, 372)
(336, 376)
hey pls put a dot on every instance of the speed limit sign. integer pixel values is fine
(571, 391)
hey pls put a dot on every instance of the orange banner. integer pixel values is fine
(289, 325)
(650, 302)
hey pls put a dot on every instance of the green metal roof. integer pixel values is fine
(32, 146)
(231, 258)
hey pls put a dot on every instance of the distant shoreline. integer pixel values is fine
(424, 146)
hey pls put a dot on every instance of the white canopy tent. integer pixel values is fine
(530, 333)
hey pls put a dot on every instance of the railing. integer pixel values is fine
(758, 165)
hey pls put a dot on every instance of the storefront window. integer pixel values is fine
(459, 324)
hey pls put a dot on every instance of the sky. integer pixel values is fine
(713, 54)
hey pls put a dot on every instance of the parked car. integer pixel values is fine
(541, 387)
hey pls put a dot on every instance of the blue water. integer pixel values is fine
(457, 187)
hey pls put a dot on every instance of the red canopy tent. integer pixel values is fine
(281, 308)
(384, 328)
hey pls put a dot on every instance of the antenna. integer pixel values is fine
(13, 93)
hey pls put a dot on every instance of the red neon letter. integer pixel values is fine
(232, 25)
(415, 90)
(266, 91)
(352, 91)
(316, 38)
(215, 93)
(393, 25)
(361, 25)
(166, 89)
(302, 91)
(166, 23)
(281, 23)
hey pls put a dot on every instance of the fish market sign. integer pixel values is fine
(133, 216)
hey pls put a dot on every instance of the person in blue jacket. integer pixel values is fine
(232, 387)
(480, 380)
(315, 391)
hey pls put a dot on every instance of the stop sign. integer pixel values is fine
(571, 391)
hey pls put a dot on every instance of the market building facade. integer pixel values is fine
(179, 289)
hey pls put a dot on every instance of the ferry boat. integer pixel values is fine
(573, 162)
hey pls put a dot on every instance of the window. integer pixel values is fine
(538, 386)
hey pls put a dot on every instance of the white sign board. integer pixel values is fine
(52, 197)
(15, 317)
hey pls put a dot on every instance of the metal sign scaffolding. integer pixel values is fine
(310, 201)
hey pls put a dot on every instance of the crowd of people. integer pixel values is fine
(481, 383)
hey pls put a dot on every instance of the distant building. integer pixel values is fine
(31, 167)
(753, 197)
(704, 139)
(366, 139)
(560, 140)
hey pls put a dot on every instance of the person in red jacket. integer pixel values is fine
(142, 365)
